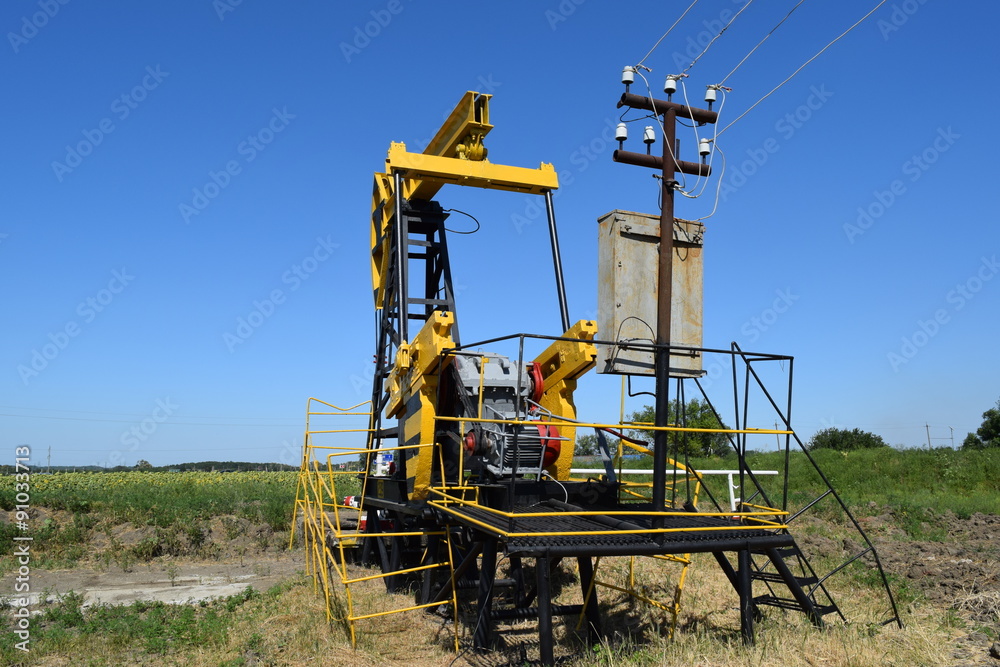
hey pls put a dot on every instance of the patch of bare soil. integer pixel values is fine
(171, 581)
(957, 569)
(127, 562)
(960, 573)
(966, 561)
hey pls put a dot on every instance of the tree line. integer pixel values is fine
(700, 415)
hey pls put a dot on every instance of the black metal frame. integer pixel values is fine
(776, 545)
(783, 562)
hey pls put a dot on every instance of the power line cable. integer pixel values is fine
(663, 129)
(740, 64)
(170, 450)
(718, 187)
(711, 161)
(682, 186)
(697, 139)
(802, 66)
(120, 414)
(724, 28)
(667, 33)
(132, 421)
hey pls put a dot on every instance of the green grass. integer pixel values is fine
(962, 482)
(77, 507)
(912, 485)
(869, 481)
(146, 628)
(163, 498)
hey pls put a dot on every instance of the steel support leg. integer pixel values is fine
(590, 601)
(517, 574)
(544, 611)
(395, 563)
(745, 589)
(466, 566)
(487, 574)
(430, 558)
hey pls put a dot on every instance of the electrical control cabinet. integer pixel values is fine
(628, 268)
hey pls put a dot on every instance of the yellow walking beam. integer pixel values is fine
(455, 155)
(461, 136)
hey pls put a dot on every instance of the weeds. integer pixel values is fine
(983, 606)
(65, 627)
(172, 572)
(166, 499)
(77, 508)
(287, 624)
(962, 482)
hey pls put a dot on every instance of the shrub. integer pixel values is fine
(842, 440)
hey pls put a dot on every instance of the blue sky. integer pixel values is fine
(172, 168)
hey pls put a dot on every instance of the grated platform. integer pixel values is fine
(536, 535)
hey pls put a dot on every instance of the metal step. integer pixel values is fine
(473, 584)
(774, 577)
(784, 552)
(523, 613)
(782, 603)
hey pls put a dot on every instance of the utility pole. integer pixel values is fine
(664, 298)
(48, 464)
(928, 426)
(669, 165)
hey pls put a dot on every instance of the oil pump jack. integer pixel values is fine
(467, 477)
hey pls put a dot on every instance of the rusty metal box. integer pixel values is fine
(628, 264)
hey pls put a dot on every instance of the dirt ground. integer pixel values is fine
(965, 562)
(961, 573)
(176, 581)
(957, 572)
(230, 554)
